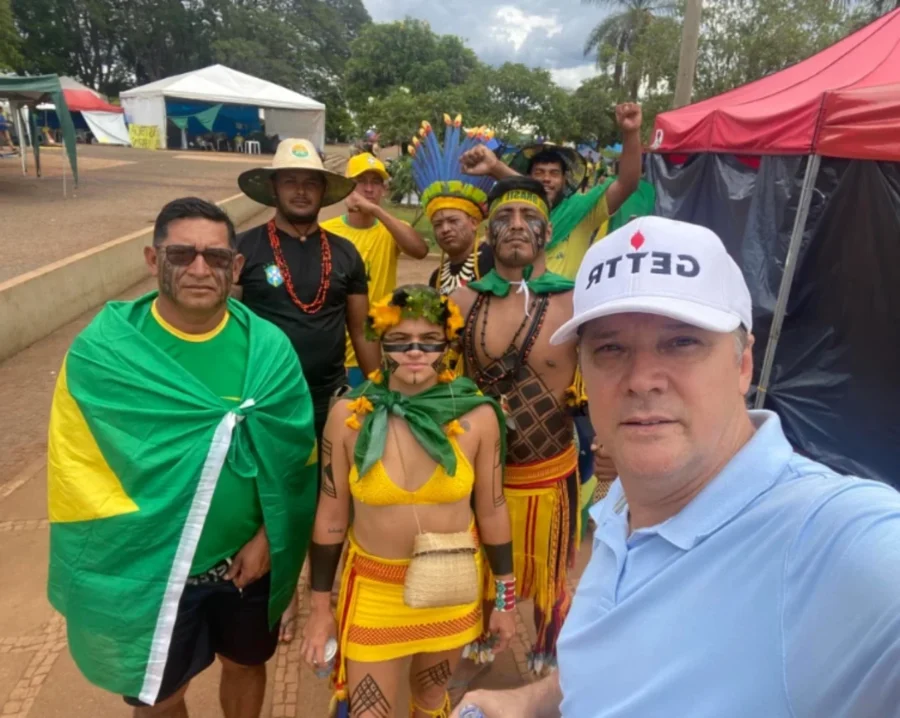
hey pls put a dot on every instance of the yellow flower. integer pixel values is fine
(455, 321)
(384, 315)
(446, 376)
(353, 422)
(376, 377)
(454, 428)
(361, 406)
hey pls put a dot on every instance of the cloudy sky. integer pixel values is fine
(542, 33)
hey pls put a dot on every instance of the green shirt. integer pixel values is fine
(219, 360)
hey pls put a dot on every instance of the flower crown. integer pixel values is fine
(413, 303)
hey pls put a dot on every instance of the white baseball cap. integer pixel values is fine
(654, 265)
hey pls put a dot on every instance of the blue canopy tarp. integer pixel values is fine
(200, 118)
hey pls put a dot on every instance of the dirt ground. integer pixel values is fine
(37, 676)
(121, 190)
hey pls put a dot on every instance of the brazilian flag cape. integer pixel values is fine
(136, 446)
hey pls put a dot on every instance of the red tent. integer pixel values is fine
(842, 102)
(733, 163)
(81, 98)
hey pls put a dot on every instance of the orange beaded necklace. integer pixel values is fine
(324, 282)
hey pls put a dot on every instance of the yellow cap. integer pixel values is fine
(365, 162)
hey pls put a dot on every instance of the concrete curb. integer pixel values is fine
(37, 303)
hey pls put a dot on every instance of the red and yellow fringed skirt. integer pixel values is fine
(543, 502)
(374, 624)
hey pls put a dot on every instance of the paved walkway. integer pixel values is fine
(121, 190)
(37, 676)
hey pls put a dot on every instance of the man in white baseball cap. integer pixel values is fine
(729, 575)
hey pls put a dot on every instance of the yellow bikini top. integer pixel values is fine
(377, 489)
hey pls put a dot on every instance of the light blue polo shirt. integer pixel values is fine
(774, 593)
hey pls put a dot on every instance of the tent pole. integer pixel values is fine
(31, 138)
(17, 116)
(787, 278)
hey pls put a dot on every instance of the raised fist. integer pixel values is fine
(629, 116)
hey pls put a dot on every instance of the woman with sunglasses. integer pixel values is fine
(419, 453)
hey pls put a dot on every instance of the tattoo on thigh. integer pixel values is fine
(499, 496)
(368, 697)
(328, 486)
(434, 676)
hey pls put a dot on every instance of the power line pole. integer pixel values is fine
(687, 63)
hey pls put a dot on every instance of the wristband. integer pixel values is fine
(506, 595)
(323, 563)
(500, 558)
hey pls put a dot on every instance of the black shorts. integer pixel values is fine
(214, 618)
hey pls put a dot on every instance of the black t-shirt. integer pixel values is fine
(318, 338)
(449, 277)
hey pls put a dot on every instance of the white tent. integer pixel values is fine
(288, 113)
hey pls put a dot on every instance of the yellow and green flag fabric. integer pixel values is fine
(136, 446)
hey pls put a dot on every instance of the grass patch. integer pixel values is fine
(415, 216)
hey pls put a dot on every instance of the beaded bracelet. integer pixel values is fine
(506, 595)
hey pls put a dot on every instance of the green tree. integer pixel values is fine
(73, 37)
(256, 41)
(160, 38)
(880, 7)
(10, 56)
(592, 108)
(868, 9)
(404, 54)
(397, 116)
(403, 184)
(301, 44)
(615, 38)
(742, 41)
(525, 98)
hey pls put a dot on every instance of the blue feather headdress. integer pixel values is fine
(442, 183)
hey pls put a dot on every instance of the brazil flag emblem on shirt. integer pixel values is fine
(136, 446)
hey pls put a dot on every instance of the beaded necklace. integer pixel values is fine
(446, 282)
(324, 282)
(485, 378)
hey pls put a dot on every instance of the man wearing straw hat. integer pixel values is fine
(309, 282)
(306, 280)
(730, 576)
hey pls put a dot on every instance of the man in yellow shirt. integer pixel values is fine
(575, 217)
(378, 236)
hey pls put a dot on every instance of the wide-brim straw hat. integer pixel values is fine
(293, 154)
(576, 167)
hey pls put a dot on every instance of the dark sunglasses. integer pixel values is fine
(183, 255)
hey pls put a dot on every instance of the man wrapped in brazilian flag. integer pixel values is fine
(181, 473)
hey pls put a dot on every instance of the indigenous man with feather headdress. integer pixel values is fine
(454, 202)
